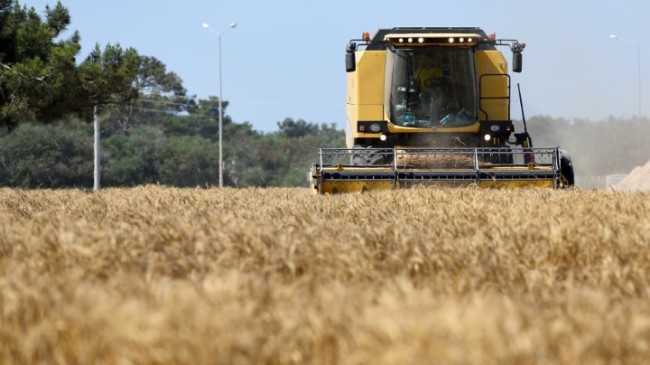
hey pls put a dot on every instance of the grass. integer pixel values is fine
(155, 275)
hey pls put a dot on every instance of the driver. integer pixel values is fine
(427, 78)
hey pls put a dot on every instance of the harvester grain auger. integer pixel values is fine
(432, 106)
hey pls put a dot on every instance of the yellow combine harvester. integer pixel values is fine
(432, 106)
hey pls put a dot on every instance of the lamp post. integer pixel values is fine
(207, 26)
(638, 56)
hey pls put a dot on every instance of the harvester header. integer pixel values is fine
(407, 167)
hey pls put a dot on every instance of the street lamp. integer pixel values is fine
(638, 56)
(207, 27)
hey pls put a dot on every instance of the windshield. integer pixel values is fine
(432, 87)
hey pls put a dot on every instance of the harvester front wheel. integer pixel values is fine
(566, 169)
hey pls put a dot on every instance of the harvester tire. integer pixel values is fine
(566, 169)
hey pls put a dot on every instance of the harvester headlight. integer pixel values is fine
(487, 137)
(451, 40)
(383, 137)
(375, 128)
(461, 40)
(469, 40)
(401, 40)
(410, 40)
(421, 40)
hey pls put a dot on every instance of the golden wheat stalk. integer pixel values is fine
(249, 276)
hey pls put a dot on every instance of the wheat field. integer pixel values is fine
(155, 275)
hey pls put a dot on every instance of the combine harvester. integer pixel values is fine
(432, 106)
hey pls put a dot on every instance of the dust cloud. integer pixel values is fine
(598, 148)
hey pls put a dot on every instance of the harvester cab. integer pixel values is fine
(432, 106)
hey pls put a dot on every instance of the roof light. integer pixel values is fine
(433, 38)
(366, 36)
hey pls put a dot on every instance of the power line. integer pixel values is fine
(286, 103)
(256, 102)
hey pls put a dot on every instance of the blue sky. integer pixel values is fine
(285, 58)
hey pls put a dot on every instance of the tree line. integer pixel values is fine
(158, 147)
(162, 149)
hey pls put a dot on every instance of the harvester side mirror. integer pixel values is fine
(517, 62)
(350, 59)
(517, 59)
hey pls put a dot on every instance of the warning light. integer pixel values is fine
(366, 36)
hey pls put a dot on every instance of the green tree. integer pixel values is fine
(161, 97)
(294, 129)
(46, 156)
(286, 155)
(188, 125)
(134, 159)
(189, 161)
(241, 148)
(202, 120)
(38, 75)
(210, 108)
(107, 77)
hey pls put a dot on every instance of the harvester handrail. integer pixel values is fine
(475, 152)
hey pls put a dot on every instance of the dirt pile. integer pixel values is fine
(637, 180)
